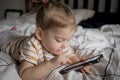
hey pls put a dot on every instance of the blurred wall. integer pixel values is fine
(91, 2)
(11, 4)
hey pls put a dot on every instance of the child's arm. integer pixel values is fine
(29, 71)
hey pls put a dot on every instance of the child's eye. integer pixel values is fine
(59, 40)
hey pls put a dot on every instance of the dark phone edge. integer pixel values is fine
(64, 70)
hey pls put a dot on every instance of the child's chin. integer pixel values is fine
(55, 54)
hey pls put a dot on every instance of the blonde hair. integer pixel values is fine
(54, 14)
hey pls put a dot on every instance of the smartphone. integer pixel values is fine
(81, 64)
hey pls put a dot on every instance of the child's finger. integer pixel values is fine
(83, 71)
(65, 60)
(69, 61)
(86, 69)
(83, 58)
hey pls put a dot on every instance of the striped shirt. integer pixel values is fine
(30, 49)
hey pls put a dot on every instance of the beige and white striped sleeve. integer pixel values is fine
(29, 52)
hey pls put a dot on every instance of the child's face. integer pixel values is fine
(56, 39)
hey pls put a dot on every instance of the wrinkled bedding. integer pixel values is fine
(105, 40)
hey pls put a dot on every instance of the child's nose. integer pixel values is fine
(64, 45)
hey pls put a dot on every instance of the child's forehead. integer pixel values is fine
(61, 29)
(61, 32)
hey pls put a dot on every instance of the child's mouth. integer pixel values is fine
(59, 51)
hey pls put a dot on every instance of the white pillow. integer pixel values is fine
(82, 14)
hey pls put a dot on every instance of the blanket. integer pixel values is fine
(8, 69)
(103, 41)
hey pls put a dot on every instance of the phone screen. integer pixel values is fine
(79, 65)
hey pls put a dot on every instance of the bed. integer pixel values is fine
(98, 32)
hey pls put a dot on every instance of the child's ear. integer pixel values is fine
(38, 33)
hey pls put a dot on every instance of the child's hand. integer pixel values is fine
(85, 69)
(60, 60)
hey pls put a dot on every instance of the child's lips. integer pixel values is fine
(59, 51)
